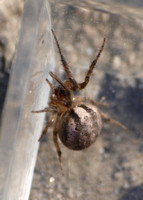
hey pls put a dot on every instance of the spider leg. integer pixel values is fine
(44, 110)
(51, 86)
(68, 94)
(55, 138)
(54, 76)
(50, 123)
(87, 77)
(97, 103)
(111, 120)
(64, 63)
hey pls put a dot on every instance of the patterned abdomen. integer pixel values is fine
(80, 127)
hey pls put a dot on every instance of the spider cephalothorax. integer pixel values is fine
(76, 122)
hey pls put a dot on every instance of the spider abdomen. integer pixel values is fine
(79, 128)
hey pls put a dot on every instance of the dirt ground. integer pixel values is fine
(111, 169)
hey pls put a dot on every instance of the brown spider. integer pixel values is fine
(76, 122)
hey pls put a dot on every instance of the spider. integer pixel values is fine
(76, 122)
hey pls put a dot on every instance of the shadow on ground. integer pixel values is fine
(134, 193)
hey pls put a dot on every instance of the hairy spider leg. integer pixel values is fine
(97, 103)
(51, 86)
(55, 138)
(50, 123)
(54, 76)
(60, 104)
(111, 120)
(93, 64)
(44, 110)
(68, 94)
(64, 63)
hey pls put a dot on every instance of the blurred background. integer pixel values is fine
(112, 167)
